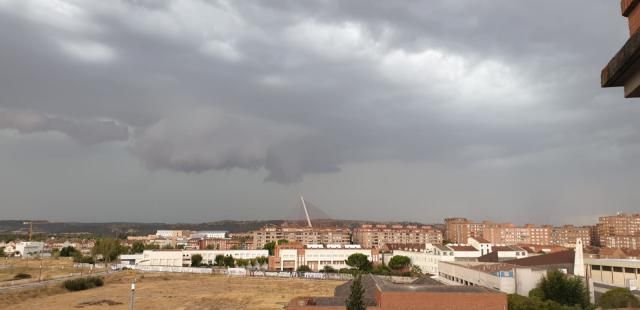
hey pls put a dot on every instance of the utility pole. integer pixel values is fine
(133, 292)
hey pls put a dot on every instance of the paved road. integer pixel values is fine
(7, 289)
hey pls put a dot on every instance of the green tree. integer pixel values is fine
(229, 261)
(211, 247)
(399, 262)
(242, 262)
(83, 259)
(262, 260)
(151, 246)
(355, 301)
(270, 246)
(359, 261)
(137, 247)
(252, 262)
(618, 298)
(558, 287)
(416, 271)
(328, 269)
(109, 248)
(381, 270)
(2, 254)
(68, 251)
(219, 260)
(304, 268)
(196, 260)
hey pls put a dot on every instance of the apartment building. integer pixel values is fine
(619, 231)
(304, 235)
(377, 236)
(459, 229)
(511, 234)
(567, 235)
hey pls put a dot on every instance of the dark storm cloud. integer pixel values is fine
(301, 88)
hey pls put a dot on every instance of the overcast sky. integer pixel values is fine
(172, 111)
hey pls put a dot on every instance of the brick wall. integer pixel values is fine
(631, 10)
(433, 301)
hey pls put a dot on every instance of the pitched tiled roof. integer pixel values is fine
(481, 240)
(564, 257)
(463, 248)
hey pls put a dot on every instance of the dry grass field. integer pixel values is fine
(173, 291)
(51, 268)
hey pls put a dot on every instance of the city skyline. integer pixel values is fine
(162, 111)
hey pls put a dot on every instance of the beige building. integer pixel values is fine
(605, 274)
(304, 235)
(376, 236)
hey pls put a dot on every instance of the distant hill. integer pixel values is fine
(133, 228)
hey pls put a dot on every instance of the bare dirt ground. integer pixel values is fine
(173, 291)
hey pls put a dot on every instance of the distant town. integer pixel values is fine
(499, 257)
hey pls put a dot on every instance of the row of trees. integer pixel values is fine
(229, 261)
(398, 264)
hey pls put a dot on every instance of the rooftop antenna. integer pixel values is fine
(306, 213)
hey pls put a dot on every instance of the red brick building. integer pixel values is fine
(619, 231)
(424, 294)
(624, 68)
(376, 236)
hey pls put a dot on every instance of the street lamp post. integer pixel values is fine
(133, 292)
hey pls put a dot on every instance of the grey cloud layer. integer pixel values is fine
(83, 131)
(305, 87)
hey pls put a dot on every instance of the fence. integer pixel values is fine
(172, 269)
(242, 272)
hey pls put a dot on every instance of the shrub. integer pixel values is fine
(84, 259)
(618, 298)
(381, 270)
(21, 276)
(83, 283)
(304, 268)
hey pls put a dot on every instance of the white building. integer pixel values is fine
(316, 256)
(428, 258)
(29, 249)
(210, 234)
(515, 276)
(179, 258)
(170, 234)
(503, 277)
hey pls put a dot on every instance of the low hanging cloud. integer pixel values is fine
(82, 131)
(206, 139)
